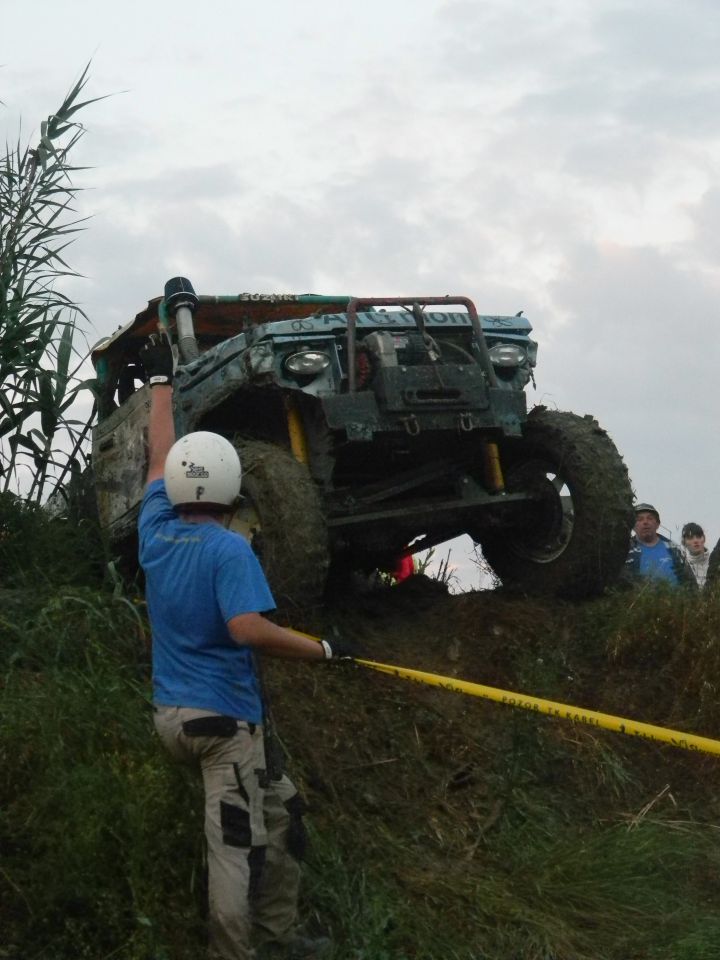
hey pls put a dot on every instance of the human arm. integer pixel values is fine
(161, 430)
(157, 360)
(254, 630)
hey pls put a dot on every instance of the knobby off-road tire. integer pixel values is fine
(282, 517)
(573, 540)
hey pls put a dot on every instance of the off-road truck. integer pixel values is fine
(368, 427)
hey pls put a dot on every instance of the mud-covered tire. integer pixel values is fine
(572, 540)
(283, 519)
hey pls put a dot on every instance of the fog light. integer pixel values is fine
(507, 355)
(307, 363)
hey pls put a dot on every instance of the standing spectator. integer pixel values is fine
(654, 556)
(696, 553)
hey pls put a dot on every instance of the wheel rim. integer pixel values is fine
(548, 520)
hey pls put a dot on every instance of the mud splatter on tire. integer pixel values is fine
(573, 539)
(286, 524)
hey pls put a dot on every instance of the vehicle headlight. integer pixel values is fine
(507, 355)
(306, 363)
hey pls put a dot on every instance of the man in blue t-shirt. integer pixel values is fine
(653, 556)
(206, 594)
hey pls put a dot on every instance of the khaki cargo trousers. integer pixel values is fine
(253, 879)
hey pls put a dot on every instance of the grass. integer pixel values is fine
(36, 550)
(90, 818)
(442, 826)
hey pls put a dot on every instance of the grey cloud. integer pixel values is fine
(125, 264)
(659, 106)
(660, 35)
(381, 230)
(637, 354)
(648, 65)
(610, 156)
(664, 106)
(641, 301)
(706, 219)
(483, 40)
(213, 182)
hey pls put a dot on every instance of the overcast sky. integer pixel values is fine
(559, 157)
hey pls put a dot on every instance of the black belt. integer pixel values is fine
(215, 726)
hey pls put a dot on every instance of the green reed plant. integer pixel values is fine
(39, 361)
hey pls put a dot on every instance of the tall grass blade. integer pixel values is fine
(38, 322)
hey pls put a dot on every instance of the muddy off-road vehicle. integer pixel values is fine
(368, 428)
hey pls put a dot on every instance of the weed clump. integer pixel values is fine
(38, 551)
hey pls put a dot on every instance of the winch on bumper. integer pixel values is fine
(410, 399)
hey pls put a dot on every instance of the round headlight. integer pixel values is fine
(307, 363)
(507, 355)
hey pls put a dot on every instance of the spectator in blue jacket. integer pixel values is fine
(653, 556)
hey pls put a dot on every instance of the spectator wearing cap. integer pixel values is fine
(696, 553)
(653, 556)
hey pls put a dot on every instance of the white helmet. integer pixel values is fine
(202, 472)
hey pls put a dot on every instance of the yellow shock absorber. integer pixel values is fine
(296, 432)
(493, 469)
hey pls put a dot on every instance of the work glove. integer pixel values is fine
(157, 359)
(339, 650)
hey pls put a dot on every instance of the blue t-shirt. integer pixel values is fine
(656, 562)
(198, 577)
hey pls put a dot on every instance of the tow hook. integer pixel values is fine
(465, 423)
(411, 425)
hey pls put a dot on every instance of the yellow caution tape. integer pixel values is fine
(551, 708)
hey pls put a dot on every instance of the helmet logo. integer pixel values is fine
(196, 472)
